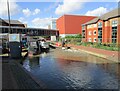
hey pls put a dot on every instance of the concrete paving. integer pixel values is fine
(110, 55)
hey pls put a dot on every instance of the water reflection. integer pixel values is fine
(60, 73)
(113, 68)
(89, 75)
(32, 63)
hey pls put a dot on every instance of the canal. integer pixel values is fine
(71, 69)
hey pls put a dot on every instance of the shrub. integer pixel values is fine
(113, 45)
(76, 36)
(84, 44)
(79, 43)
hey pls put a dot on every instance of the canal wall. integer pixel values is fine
(110, 55)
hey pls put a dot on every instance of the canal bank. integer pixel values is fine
(110, 55)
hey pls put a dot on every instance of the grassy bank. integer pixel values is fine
(111, 47)
(77, 40)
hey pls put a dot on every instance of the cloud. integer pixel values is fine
(21, 19)
(41, 22)
(97, 12)
(68, 6)
(36, 11)
(14, 8)
(26, 12)
(52, 6)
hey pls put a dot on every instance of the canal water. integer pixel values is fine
(57, 70)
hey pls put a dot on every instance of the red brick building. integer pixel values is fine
(105, 29)
(72, 24)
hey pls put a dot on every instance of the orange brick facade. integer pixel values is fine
(106, 28)
(72, 24)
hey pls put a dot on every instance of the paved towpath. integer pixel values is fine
(111, 55)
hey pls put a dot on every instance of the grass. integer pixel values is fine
(111, 47)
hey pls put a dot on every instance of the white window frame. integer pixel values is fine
(94, 31)
(90, 32)
(114, 22)
(90, 40)
(94, 40)
(95, 25)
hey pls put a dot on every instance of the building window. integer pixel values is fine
(94, 39)
(100, 34)
(83, 27)
(83, 33)
(114, 40)
(90, 32)
(89, 26)
(90, 40)
(94, 32)
(114, 34)
(6, 30)
(95, 25)
(99, 24)
(114, 23)
(99, 40)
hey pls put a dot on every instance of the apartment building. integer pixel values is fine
(71, 24)
(104, 29)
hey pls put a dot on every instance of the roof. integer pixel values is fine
(27, 28)
(91, 21)
(1, 19)
(77, 15)
(13, 22)
(111, 14)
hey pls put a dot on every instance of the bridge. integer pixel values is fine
(29, 31)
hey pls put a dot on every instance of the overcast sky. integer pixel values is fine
(39, 13)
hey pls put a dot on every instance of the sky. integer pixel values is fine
(38, 13)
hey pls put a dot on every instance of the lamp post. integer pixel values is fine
(9, 23)
(9, 16)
